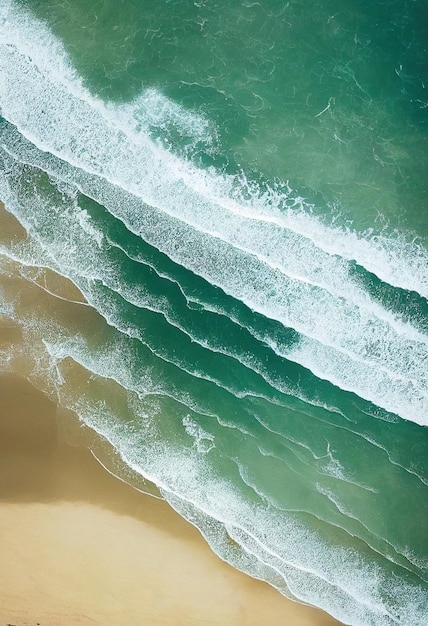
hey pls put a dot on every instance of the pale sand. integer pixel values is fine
(78, 546)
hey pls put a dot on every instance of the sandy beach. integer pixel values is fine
(79, 546)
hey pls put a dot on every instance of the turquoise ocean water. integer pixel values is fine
(239, 189)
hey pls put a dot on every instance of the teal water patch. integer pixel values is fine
(332, 98)
(237, 192)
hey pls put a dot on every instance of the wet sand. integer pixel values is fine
(78, 546)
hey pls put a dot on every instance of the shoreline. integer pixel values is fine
(80, 546)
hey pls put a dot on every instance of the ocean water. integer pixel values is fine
(239, 191)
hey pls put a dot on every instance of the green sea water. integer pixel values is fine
(239, 190)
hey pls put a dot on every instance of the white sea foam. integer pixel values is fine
(357, 595)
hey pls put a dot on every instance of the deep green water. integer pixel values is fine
(239, 189)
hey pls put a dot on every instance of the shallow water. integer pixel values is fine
(239, 193)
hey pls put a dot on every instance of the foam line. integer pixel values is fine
(109, 471)
(367, 607)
